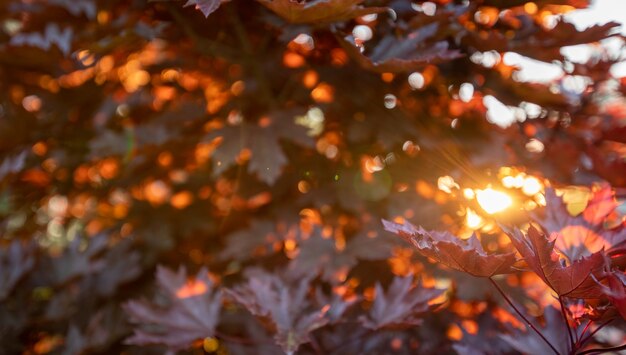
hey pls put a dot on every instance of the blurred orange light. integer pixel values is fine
(293, 60)
(531, 186)
(387, 77)
(40, 148)
(290, 245)
(156, 192)
(108, 168)
(530, 8)
(181, 199)
(323, 93)
(191, 288)
(472, 219)
(310, 79)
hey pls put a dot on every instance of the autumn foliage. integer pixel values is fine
(308, 177)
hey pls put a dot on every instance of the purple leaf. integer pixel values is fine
(285, 303)
(192, 311)
(206, 6)
(401, 305)
(15, 261)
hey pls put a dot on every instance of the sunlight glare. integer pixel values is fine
(493, 201)
(472, 219)
(531, 186)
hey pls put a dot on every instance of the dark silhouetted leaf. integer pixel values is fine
(393, 55)
(77, 261)
(285, 304)
(206, 6)
(52, 36)
(247, 243)
(401, 306)
(320, 255)
(319, 11)
(15, 261)
(267, 157)
(191, 312)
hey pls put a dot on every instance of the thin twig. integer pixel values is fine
(588, 337)
(604, 350)
(569, 330)
(522, 316)
(578, 340)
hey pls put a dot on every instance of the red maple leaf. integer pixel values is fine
(464, 255)
(616, 290)
(573, 280)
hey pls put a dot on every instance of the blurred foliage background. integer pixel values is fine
(263, 141)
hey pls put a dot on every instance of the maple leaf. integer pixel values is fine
(336, 304)
(319, 11)
(401, 305)
(536, 42)
(393, 55)
(616, 289)
(122, 265)
(77, 7)
(192, 311)
(206, 6)
(601, 204)
(463, 255)
(528, 342)
(285, 304)
(15, 261)
(575, 235)
(244, 243)
(367, 247)
(267, 157)
(52, 35)
(75, 262)
(574, 280)
(320, 255)
(103, 327)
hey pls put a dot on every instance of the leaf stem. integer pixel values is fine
(569, 330)
(590, 335)
(508, 300)
(583, 332)
(603, 350)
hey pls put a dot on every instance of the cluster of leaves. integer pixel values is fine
(586, 273)
(264, 141)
